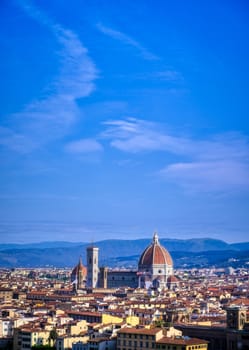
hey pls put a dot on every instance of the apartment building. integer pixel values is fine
(25, 338)
(181, 343)
(138, 338)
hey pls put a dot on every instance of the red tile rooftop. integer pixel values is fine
(72, 335)
(240, 301)
(33, 329)
(98, 340)
(181, 341)
(84, 313)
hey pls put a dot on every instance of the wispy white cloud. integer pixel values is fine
(221, 175)
(135, 135)
(14, 141)
(125, 39)
(51, 117)
(84, 146)
(218, 163)
(173, 80)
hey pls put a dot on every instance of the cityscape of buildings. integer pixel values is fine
(152, 307)
(117, 116)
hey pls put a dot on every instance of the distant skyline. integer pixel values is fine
(119, 118)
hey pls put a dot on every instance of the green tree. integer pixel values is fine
(53, 335)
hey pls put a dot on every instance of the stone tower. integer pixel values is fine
(92, 266)
(103, 277)
(236, 317)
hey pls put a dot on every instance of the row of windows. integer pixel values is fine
(141, 344)
(146, 345)
(117, 278)
(136, 336)
(26, 339)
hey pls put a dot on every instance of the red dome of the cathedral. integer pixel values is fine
(79, 268)
(155, 254)
(79, 272)
(155, 266)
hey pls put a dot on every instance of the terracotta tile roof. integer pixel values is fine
(181, 341)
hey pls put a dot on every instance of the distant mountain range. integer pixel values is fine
(203, 252)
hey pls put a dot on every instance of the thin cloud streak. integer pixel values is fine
(15, 141)
(125, 39)
(214, 176)
(135, 135)
(217, 164)
(48, 118)
(84, 146)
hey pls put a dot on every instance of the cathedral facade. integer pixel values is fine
(155, 270)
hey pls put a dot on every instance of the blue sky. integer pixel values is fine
(122, 117)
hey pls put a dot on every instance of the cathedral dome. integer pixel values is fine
(78, 270)
(155, 254)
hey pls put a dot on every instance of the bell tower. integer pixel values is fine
(236, 317)
(92, 266)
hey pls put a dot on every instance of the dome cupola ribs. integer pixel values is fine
(155, 254)
(155, 264)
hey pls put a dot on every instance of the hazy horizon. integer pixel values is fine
(38, 232)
